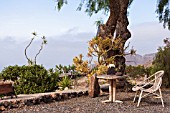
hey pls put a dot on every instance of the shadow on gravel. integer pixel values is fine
(166, 91)
(128, 99)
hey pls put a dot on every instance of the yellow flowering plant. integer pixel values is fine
(99, 47)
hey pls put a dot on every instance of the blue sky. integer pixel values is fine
(67, 31)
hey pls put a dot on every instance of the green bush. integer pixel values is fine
(65, 82)
(66, 69)
(10, 73)
(135, 71)
(162, 62)
(31, 79)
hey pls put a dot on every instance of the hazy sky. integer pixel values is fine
(67, 31)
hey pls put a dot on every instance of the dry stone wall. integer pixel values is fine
(34, 99)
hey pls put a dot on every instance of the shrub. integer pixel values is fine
(134, 71)
(31, 79)
(162, 62)
(11, 73)
(65, 82)
(65, 69)
(101, 53)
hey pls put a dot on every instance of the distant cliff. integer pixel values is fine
(137, 59)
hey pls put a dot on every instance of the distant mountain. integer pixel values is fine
(137, 59)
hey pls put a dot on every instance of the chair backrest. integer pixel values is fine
(158, 80)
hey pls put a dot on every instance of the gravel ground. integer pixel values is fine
(86, 104)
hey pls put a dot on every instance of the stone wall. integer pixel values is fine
(34, 99)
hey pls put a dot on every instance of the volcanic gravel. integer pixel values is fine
(86, 104)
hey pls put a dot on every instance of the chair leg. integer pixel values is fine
(140, 96)
(135, 96)
(161, 97)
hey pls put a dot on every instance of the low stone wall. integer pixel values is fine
(33, 99)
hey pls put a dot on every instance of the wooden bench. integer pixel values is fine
(7, 89)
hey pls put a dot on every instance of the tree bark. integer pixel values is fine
(122, 23)
(108, 29)
(113, 18)
(116, 29)
(122, 33)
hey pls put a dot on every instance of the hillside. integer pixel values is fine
(137, 59)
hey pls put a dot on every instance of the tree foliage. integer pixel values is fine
(65, 69)
(97, 48)
(135, 71)
(116, 24)
(94, 6)
(163, 12)
(162, 62)
(91, 6)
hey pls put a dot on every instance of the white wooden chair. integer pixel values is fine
(155, 82)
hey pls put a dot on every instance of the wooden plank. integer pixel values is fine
(111, 76)
(6, 88)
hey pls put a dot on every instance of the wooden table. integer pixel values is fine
(112, 86)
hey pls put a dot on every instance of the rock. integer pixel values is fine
(104, 88)
(47, 98)
(54, 96)
(60, 88)
(73, 94)
(79, 93)
(66, 88)
(6, 103)
(72, 87)
(94, 88)
(65, 95)
(29, 102)
(40, 99)
(2, 108)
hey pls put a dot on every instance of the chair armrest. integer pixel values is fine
(143, 85)
(148, 78)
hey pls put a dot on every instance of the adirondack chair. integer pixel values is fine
(150, 85)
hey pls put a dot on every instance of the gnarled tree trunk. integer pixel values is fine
(116, 29)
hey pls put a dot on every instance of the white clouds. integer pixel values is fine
(11, 53)
(59, 50)
(67, 31)
(148, 36)
(76, 37)
(62, 48)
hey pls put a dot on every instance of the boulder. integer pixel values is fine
(94, 88)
